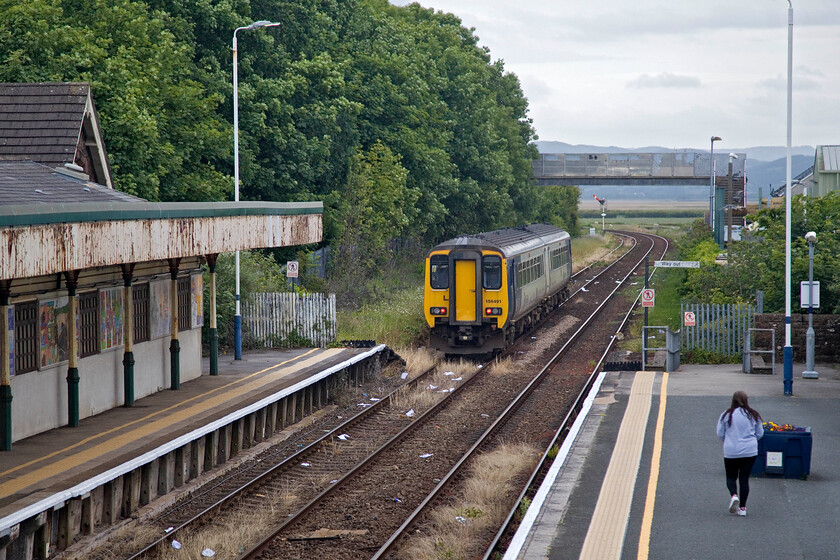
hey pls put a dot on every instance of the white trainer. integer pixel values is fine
(742, 512)
(733, 503)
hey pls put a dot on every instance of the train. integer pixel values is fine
(484, 290)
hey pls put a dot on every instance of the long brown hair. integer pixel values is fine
(739, 400)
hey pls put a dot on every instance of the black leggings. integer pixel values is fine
(739, 469)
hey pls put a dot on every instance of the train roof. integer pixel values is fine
(509, 241)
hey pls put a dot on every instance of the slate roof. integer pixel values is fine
(51, 123)
(29, 182)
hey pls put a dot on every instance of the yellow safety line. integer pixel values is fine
(653, 481)
(605, 536)
(95, 452)
(144, 418)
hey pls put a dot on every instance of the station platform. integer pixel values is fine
(63, 483)
(644, 477)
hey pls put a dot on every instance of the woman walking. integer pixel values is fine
(740, 429)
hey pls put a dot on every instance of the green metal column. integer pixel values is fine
(71, 279)
(128, 355)
(214, 333)
(174, 346)
(5, 369)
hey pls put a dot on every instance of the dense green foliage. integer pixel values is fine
(758, 262)
(340, 91)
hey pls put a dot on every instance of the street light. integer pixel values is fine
(727, 204)
(788, 354)
(712, 183)
(237, 320)
(810, 373)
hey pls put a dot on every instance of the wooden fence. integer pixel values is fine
(288, 319)
(719, 327)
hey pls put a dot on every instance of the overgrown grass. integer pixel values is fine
(396, 320)
(454, 530)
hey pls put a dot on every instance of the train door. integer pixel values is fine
(465, 291)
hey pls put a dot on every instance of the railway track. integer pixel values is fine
(375, 512)
(365, 482)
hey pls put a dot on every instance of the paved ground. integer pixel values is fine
(787, 518)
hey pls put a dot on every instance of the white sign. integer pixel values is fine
(647, 297)
(689, 319)
(803, 294)
(676, 264)
(291, 269)
(774, 459)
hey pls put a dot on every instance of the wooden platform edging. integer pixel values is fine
(55, 522)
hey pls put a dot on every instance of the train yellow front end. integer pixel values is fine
(466, 300)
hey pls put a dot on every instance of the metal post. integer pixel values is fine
(644, 330)
(214, 333)
(71, 279)
(809, 372)
(788, 354)
(128, 355)
(174, 345)
(712, 183)
(237, 319)
(5, 369)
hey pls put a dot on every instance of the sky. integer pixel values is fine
(670, 73)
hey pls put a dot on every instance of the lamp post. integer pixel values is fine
(712, 183)
(810, 373)
(237, 320)
(788, 354)
(728, 202)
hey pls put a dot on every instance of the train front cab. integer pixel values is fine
(466, 300)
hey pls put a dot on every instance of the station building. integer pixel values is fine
(102, 293)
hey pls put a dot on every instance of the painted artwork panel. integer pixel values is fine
(111, 308)
(197, 301)
(161, 320)
(53, 330)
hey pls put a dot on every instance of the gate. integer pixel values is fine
(718, 328)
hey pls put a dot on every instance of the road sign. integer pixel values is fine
(291, 269)
(689, 320)
(676, 264)
(647, 297)
(803, 294)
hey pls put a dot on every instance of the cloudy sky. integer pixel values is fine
(668, 73)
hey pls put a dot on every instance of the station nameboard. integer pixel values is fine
(676, 264)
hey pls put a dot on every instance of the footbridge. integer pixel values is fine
(668, 168)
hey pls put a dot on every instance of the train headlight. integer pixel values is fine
(437, 311)
(492, 311)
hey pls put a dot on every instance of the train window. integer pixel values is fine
(492, 273)
(439, 272)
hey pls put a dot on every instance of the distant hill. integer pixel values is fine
(763, 174)
(757, 153)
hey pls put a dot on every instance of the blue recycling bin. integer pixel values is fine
(785, 453)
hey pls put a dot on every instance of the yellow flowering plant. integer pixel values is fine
(773, 427)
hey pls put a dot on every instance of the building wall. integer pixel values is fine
(826, 329)
(39, 398)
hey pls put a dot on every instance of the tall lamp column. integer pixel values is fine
(810, 373)
(712, 183)
(237, 320)
(788, 353)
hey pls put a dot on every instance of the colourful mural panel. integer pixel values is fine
(53, 330)
(197, 301)
(111, 307)
(161, 320)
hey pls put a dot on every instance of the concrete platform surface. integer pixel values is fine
(678, 508)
